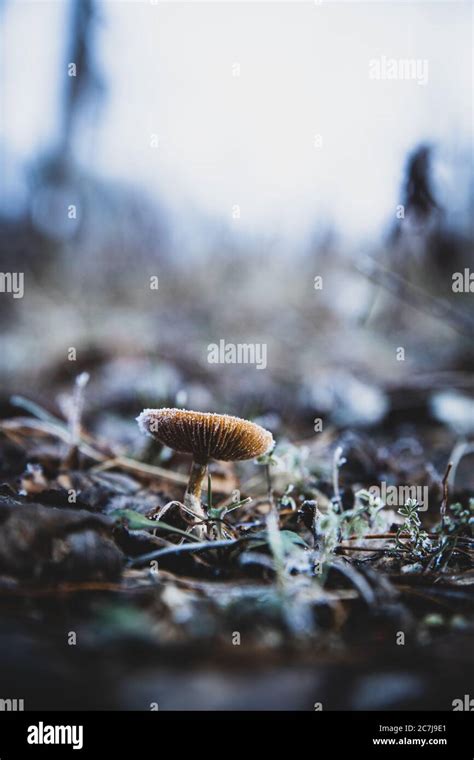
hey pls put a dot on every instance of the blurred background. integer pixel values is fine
(236, 152)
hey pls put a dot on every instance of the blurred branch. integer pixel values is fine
(411, 294)
(80, 53)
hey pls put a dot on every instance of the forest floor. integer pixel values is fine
(308, 591)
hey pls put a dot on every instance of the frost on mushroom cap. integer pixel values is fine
(205, 435)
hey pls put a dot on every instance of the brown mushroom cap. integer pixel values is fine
(205, 435)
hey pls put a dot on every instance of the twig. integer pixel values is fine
(444, 501)
(374, 536)
(49, 428)
(374, 549)
(35, 409)
(458, 453)
(132, 465)
(74, 410)
(270, 496)
(188, 548)
(77, 408)
(337, 462)
(400, 287)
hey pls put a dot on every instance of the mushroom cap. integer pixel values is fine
(206, 435)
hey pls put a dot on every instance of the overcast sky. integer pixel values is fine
(248, 137)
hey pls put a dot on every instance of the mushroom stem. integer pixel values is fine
(192, 496)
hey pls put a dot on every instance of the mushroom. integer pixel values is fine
(206, 436)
